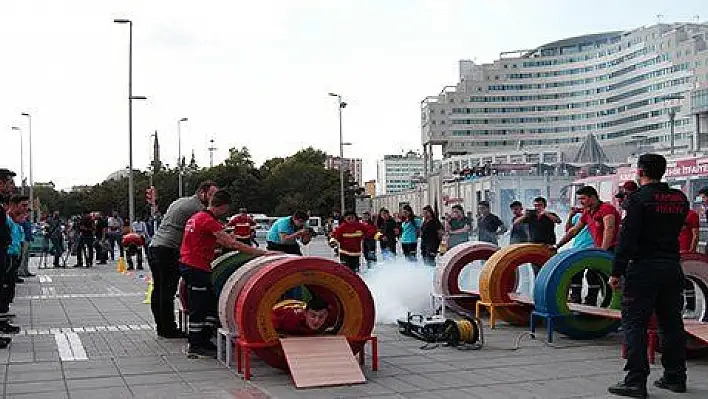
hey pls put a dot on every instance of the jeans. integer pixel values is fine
(23, 269)
(113, 238)
(654, 286)
(58, 248)
(201, 301)
(164, 265)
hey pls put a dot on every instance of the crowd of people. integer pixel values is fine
(653, 225)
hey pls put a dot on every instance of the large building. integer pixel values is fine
(540, 105)
(396, 173)
(352, 165)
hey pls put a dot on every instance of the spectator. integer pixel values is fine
(85, 241)
(457, 227)
(54, 225)
(369, 242)
(489, 226)
(519, 231)
(541, 223)
(388, 228)
(431, 232)
(115, 235)
(410, 231)
(23, 270)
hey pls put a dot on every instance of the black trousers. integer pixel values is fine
(7, 292)
(292, 249)
(201, 301)
(350, 261)
(410, 250)
(115, 237)
(429, 254)
(654, 286)
(164, 265)
(85, 247)
(388, 245)
(139, 257)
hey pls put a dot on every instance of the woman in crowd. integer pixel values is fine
(431, 233)
(410, 230)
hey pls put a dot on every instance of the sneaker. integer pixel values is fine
(664, 383)
(632, 391)
(198, 352)
(8, 328)
(4, 342)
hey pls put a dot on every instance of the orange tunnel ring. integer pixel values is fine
(267, 285)
(498, 278)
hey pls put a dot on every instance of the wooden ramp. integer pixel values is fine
(321, 361)
(614, 314)
(697, 329)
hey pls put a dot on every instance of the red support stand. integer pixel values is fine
(243, 352)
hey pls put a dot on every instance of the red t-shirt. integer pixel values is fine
(199, 241)
(242, 224)
(288, 317)
(686, 236)
(596, 225)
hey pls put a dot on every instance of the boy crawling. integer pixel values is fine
(293, 317)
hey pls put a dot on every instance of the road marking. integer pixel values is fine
(77, 348)
(66, 296)
(88, 329)
(63, 347)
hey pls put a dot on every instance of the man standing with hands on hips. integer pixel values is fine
(647, 257)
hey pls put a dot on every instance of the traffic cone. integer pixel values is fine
(148, 294)
(121, 266)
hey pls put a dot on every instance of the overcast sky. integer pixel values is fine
(257, 73)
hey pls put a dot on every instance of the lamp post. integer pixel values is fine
(179, 154)
(22, 161)
(340, 105)
(131, 97)
(31, 180)
(674, 101)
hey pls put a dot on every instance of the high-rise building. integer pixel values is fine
(624, 88)
(352, 165)
(396, 173)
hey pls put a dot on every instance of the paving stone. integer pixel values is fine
(103, 393)
(35, 387)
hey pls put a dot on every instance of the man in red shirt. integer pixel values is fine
(603, 221)
(243, 225)
(202, 234)
(294, 317)
(133, 244)
(349, 235)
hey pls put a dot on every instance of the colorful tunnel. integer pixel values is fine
(250, 287)
(498, 278)
(551, 292)
(448, 270)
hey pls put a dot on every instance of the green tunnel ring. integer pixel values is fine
(553, 283)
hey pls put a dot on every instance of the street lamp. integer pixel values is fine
(179, 153)
(131, 97)
(341, 105)
(22, 161)
(31, 180)
(674, 101)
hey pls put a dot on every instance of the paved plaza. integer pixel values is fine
(87, 334)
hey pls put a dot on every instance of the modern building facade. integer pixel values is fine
(396, 173)
(352, 165)
(541, 104)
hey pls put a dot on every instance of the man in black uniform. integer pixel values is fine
(647, 256)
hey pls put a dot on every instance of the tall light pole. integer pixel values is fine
(341, 105)
(131, 97)
(179, 154)
(22, 161)
(31, 180)
(674, 101)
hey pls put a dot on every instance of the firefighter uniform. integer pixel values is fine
(647, 255)
(349, 236)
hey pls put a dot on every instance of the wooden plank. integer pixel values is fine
(595, 311)
(698, 330)
(321, 361)
(521, 299)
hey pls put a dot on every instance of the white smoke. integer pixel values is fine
(399, 286)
